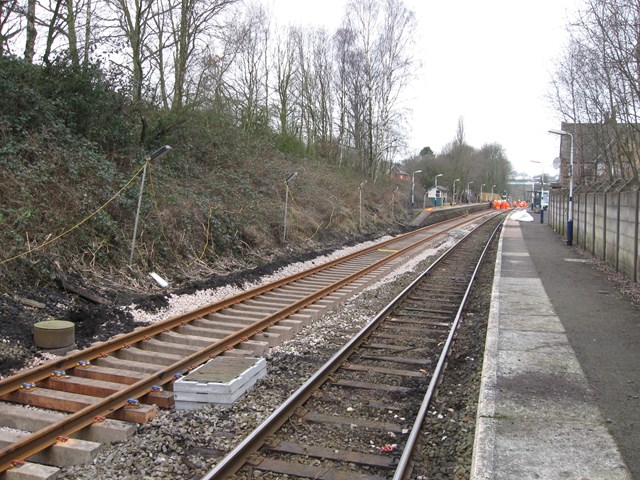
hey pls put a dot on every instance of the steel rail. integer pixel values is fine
(44, 370)
(235, 459)
(403, 463)
(48, 436)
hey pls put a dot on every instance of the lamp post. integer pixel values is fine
(360, 191)
(157, 154)
(393, 201)
(413, 187)
(436, 187)
(481, 190)
(492, 187)
(436, 180)
(290, 178)
(454, 189)
(541, 172)
(541, 184)
(469, 192)
(570, 213)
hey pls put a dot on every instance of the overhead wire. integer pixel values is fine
(77, 225)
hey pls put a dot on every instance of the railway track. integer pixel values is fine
(129, 377)
(359, 416)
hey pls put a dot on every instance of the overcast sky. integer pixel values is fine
(487, 61)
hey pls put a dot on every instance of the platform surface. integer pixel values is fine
(561, 376)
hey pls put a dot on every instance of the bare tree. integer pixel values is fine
(55, 27)
(10, 25)
(320, 98)
(247, 83)
(596, 82)
(286, 72)
(310, 87)
(193, 29)
(380, 38)
(131, 24)
(29, 49)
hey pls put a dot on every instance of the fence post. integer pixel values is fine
(618, 234)
(635, 242)
(593, 223)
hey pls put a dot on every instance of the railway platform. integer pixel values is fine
(560, 394)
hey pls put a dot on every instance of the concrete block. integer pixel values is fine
(71, 452)
(31, 471)
(221, 381)
(23, 418)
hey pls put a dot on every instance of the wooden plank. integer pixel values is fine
(310, 471)
(30, 303)
(69, 286)
(83, 386)
(108, 374)
(421, 323)
(388, 371)
(359, 422)
(372, 386)
(69, 402)
(165, 399)
(100, 388)
(333, 454)
(389, 336)
(408, 361)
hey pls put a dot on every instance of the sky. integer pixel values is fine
(489, 62)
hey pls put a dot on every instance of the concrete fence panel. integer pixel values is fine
(582, 213)
(611, 228)
(606, 225)
(628, 234)
(599, 223)
(590, 233)
(577, 218)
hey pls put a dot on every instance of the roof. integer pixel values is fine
(398, 169)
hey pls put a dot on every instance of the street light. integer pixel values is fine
(481, 190)
(413, 187)
(570, 213)
(469, 192)
(360, 191)
(541, 172)
(157, 154)
(439, 175)
(393, 201)
(533, 188)
(290, 178)
(492, 187)
(454, 189)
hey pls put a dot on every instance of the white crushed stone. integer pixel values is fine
(39, 359)
(412, 264)
(158, 448)
(179, 304)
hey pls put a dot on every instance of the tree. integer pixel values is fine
(29, 49)
(132, 23)
(596, 81)
(247, 85)
(190, 36)
(286, 71)
(9, 23)
(426, 152)
(315, 99)
(378, 67)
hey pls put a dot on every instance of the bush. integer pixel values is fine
(85, 101)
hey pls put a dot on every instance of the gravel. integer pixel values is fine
(186, 444)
